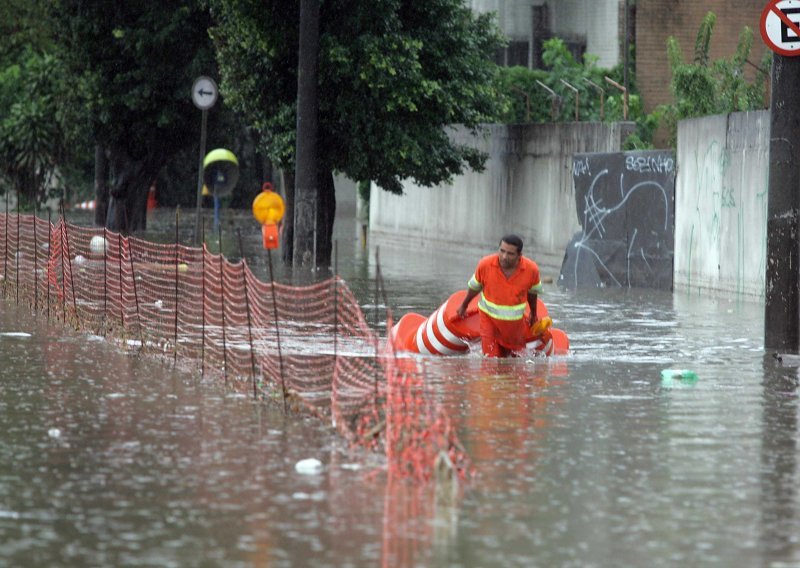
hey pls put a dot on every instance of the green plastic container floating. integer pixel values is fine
(678, 377)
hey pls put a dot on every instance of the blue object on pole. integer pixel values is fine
(216, 212)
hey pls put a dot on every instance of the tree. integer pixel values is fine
(37, 136)
(703, 87)
(529, 102)
(33, 130)
(132, 67)
(393, 75)
(24, 28)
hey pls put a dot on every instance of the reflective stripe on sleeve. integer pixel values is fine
(536, 289)
(473, 284)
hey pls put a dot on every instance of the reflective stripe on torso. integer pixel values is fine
(505, 298)
(501, 312)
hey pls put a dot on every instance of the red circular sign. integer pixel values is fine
(780, 26)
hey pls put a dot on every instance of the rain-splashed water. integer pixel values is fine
(586, 460)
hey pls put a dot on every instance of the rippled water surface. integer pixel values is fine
(585, 460)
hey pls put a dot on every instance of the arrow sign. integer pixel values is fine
(780, 26)
(204, 93)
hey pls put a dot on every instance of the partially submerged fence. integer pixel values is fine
(307, 347)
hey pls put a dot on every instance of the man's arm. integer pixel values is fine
(462, 309)
(533, 298)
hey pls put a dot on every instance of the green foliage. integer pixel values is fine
(24, 28)
(37, 138)
(704, 87)
(526, 100)
(364, 190)
(703, 41)
(393, 75)
(135, 64)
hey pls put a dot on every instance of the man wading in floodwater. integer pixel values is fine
(507, 282)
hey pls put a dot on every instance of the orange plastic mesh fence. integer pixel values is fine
(307, 346)
(420, 440)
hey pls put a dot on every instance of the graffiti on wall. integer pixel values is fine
(625, 203)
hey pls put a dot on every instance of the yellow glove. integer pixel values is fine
(539, 327)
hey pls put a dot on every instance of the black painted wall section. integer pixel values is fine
(625, 204)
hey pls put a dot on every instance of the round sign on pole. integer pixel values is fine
(780, 26)
(204, 92)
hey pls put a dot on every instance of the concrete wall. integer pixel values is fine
(625, 205)
(526, 188)
(720, 208)
(721, 204)
(346, 192)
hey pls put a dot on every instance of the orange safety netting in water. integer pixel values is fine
(305, 346)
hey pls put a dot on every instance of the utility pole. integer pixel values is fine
(782, 306)
(306, 184)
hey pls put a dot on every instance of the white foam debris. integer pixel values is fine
(308, 466)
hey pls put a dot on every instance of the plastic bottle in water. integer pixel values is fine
(678, 377)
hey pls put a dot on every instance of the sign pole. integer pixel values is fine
(780, 26)
(199, 209)
(204, 95)
(780, 30)
(782, 301)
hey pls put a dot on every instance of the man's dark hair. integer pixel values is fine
(513, 240)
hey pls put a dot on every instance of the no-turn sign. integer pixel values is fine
(780, 26)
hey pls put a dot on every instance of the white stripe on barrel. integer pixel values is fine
(445, 331)
(420, 343)
(432, 339)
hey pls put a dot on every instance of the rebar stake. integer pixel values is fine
(222, 305)
(277, 328)
(247, 309)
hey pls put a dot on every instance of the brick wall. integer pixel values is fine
(656, 20)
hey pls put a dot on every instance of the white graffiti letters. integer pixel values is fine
(658, 163)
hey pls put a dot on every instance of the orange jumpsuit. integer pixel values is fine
(502, 303)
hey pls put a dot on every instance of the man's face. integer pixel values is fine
(509, 255)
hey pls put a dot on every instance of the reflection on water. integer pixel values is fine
(584, 460)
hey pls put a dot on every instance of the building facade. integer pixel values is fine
(586, 26)
(597, 27)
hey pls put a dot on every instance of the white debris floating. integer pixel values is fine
(98, 244)
(308, 466)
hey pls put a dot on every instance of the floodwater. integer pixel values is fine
(590, 459)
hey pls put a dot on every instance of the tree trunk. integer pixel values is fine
(100, 185)
(326, 212)
(127, 207)
(323, 213)
(306, 194)
(287, 238)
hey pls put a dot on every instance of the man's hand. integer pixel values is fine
(462, 309)
(541, 326)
